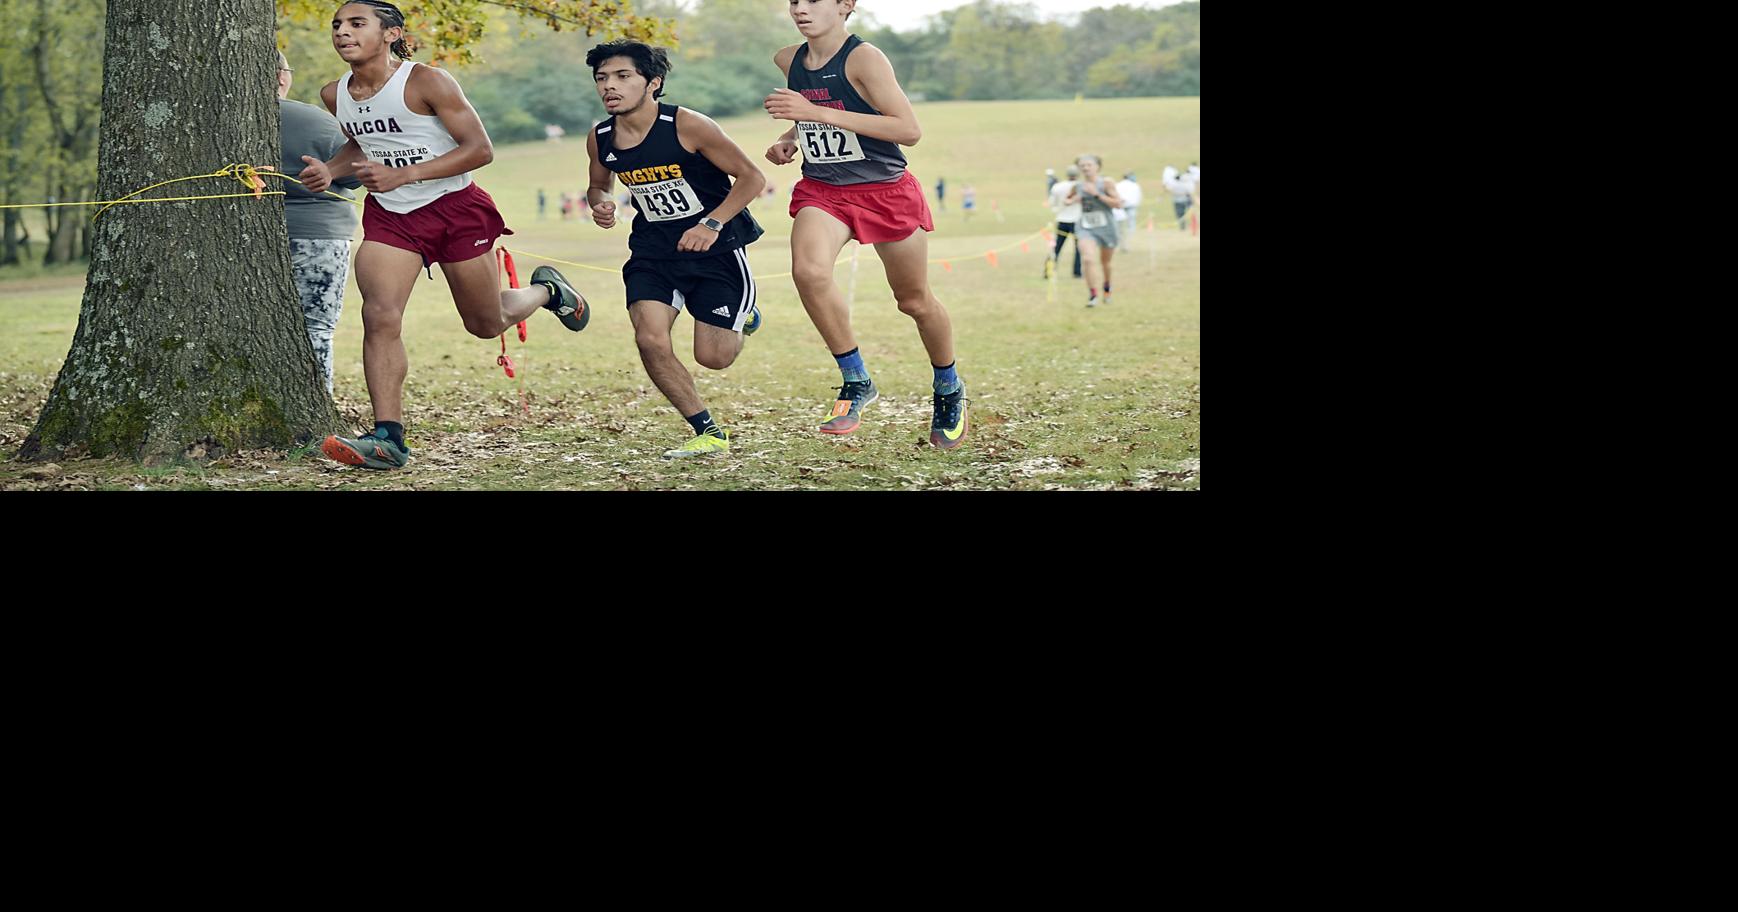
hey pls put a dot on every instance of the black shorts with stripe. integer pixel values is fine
(718, 290)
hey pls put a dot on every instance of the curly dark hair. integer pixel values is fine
(650, 62)
(390, 17)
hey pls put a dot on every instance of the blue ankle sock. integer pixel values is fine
(946, 379)
(394, 431)
(702, 422)
(851, 365)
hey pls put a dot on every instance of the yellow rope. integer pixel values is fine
(247, 175)
(779, 275)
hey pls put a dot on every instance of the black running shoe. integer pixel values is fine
(569, 306)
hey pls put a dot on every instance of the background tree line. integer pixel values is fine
(528, 70)
(723, 62)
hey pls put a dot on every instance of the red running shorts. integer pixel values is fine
(460, 226)
(875, 213)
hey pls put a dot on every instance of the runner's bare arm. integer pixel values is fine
(1108, 196)
(871, 74)
(599, 195)
(784, 149)
(320, 175)
(440, 93)
(709, 140)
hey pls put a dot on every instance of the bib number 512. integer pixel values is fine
(826, 144)
(821, 144)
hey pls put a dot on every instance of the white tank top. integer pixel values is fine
(393, 134)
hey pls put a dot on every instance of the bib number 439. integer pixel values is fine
(666, 200)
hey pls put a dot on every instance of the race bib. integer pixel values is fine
(824, 145)
(399, 158)
(1093, 220)
(666, 200)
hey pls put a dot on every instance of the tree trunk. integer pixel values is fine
(190, 331)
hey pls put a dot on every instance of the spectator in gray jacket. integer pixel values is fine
(320, 226)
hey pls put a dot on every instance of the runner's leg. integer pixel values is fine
(907, 266)
(1089, 258)
(652, 321)
(486, 307)
(385, 275)
(816, 239)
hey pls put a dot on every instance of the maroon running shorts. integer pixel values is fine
(875, 213)
(460, 226)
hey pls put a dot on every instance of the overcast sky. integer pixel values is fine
(905, 15)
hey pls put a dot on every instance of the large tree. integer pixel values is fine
(190, 334)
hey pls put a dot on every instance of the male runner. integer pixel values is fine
(414, 139)
(693, 223)
(853, 116)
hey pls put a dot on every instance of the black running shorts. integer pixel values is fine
(718, 290)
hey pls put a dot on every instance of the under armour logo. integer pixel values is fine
(364, 109)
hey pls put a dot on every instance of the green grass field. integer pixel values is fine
(1062, 397)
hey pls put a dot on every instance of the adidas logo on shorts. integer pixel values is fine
(610, 157)
(722, 311)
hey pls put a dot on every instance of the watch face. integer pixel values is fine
(712, 223)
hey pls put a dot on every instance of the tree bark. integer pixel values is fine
(190, 333)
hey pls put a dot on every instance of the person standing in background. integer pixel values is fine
(1066, 215)
(320, 225)
(1131, 204)
(1182, 187)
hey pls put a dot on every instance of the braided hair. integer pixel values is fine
(390, 17)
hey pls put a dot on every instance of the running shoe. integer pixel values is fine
(569, 306)
(854, 397)
(948, 428)
(373, 450)
(702, 445)
(753, 321)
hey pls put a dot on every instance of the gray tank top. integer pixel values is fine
(1094, 212)
(834, 155)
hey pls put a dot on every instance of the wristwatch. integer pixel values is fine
(712, 223)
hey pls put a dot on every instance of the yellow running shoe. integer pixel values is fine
(703, 445)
